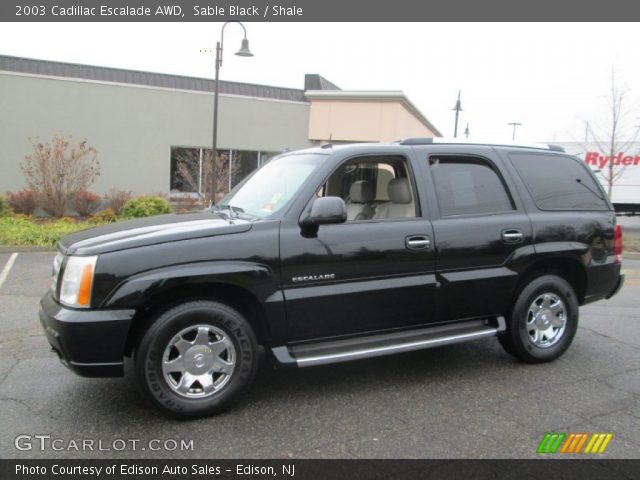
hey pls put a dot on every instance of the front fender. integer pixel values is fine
(136, 291)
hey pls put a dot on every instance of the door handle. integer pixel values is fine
(418, 242)
(513, 235)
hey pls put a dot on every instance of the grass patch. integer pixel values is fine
(22, 230)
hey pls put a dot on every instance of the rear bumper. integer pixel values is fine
(618, 285)
(89, 342)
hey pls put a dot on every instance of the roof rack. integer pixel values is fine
(459, 141)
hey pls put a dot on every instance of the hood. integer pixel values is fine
(149, 231)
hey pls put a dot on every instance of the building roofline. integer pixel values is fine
(122, 76)
(379, 95)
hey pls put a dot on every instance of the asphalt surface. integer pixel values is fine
(470, 400)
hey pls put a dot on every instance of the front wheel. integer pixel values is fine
(543, 321)
(196, 359)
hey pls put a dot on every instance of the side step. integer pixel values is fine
(320, 353)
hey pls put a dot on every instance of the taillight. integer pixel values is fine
(617, 243)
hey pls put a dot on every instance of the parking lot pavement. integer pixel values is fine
(469, 400)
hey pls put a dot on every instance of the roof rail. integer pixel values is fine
(459, 141)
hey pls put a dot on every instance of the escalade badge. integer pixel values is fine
(312, 278)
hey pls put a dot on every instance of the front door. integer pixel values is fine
(374, 272)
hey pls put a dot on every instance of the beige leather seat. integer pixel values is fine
(361, 196)
(401, 201)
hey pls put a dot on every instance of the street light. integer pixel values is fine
(243, 52)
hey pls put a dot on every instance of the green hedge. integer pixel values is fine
(17, 229)
(145, 206)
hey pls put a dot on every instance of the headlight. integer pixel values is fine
(57, 263)
(77, 281)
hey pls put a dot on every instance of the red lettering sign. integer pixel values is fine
(619, 159)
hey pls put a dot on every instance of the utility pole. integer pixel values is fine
(457, 109)
(515, 125)
(586, 131)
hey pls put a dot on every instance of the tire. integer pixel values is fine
(196, 359)
(543, 321)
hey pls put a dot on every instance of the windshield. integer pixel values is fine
(270, 187)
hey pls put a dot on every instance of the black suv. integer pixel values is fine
(334, 254)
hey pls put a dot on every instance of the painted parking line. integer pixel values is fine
(7, 268)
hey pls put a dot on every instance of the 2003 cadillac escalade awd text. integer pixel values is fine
(334, 254)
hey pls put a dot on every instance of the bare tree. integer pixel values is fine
(616, 138)
(196, 179)
(59, 170)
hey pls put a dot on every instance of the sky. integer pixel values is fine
(551, 77)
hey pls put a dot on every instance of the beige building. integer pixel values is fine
(364, 116)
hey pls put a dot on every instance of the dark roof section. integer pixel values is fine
(313, 81)
(134, 77)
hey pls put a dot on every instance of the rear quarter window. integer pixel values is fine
(558, 182)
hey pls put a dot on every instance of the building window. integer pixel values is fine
(191, 169)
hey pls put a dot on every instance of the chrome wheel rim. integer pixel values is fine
(546, 320)
(198, 361)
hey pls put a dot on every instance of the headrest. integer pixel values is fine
(362, 192)
(399, 190)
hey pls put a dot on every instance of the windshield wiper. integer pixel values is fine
(234, 212)
(580, 182)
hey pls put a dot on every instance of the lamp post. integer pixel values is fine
(243, 52)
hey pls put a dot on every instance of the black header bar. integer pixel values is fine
(315, 10)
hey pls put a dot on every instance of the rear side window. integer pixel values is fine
(558, 182)
(468, 185)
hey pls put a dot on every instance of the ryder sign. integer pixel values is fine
(600, 161)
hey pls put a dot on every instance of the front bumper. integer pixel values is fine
(89, 342)
(618, 285)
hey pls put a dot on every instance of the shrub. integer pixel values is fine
(4, 207)
(25, 201)
(22, 230)
(145, 206)
(105, 216)
(57, 171)
(115, 199)
(85, 203)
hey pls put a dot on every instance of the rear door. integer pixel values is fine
(480, 229)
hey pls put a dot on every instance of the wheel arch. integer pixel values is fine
(249, 288)
(569, 268)
(231, 295)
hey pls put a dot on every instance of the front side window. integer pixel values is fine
(558, 182)
(373, 188)
(273, 185)
(468, 185)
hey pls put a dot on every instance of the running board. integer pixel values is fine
(320, 353)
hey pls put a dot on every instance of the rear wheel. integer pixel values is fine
(543, 321)
(197, 358)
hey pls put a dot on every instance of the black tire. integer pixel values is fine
(517, 340)
(151, 351)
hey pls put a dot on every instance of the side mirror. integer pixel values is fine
(325, 211)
